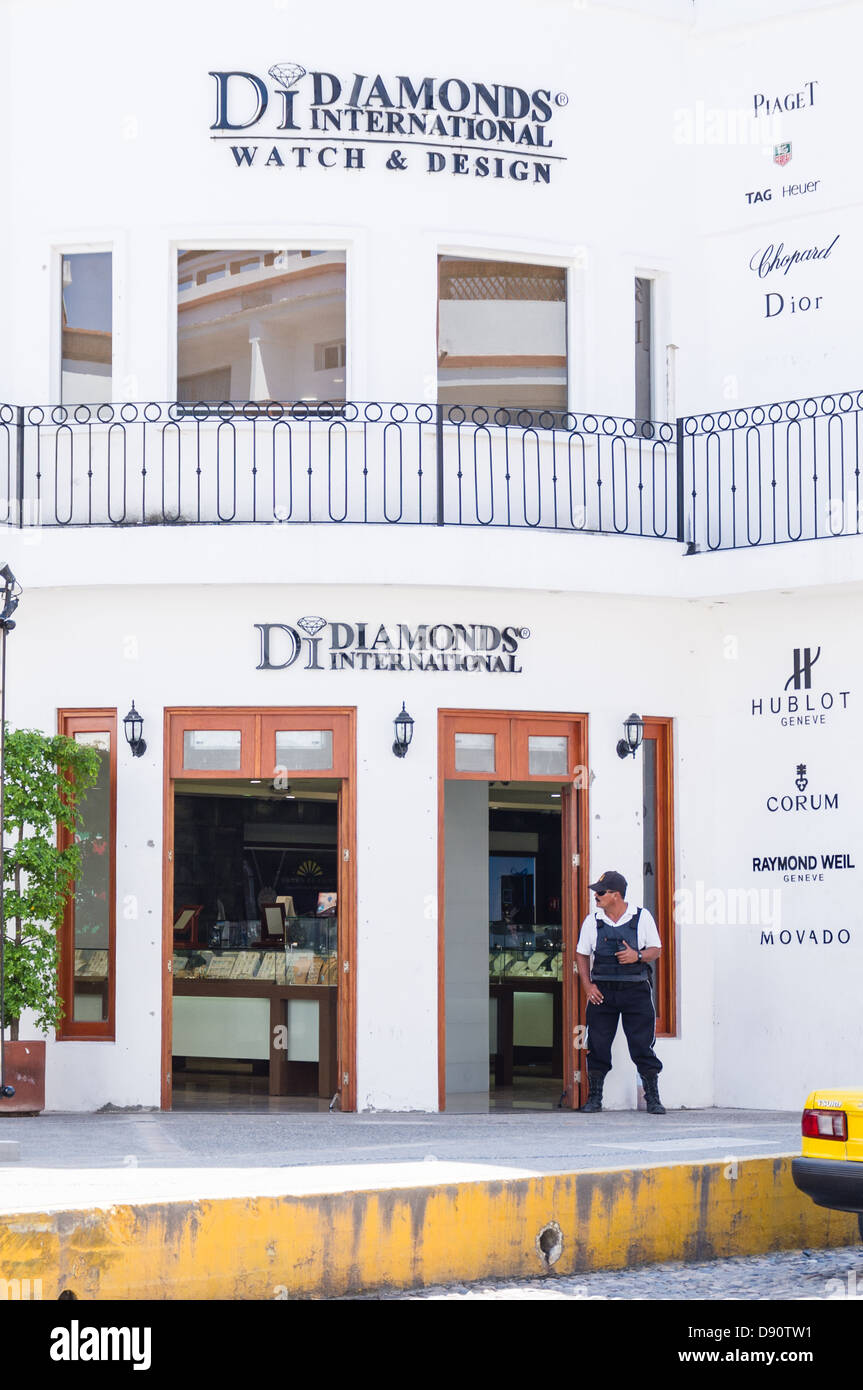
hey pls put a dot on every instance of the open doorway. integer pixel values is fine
(293, 974)
(513, 813)
(504, 946)
(255, 949)
(525, 948)
(503, 915)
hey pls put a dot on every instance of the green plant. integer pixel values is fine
(47, 777)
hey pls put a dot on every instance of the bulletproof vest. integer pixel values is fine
(610, 937)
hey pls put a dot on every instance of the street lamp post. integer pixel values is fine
(9, 597)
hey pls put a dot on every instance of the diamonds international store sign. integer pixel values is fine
(296, 119)
(327, 646)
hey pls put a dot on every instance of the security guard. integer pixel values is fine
(622, 940)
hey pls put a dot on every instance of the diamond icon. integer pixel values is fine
(311, 625)
(286, 74)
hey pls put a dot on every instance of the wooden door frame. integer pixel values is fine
(661, 729)
(575, 827)
(345, 777)
(71, 722)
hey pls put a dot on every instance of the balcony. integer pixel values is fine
(735, 479)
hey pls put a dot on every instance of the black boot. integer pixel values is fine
(594, 1100)
(651, 1095)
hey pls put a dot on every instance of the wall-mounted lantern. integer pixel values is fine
(404, 727)
(133, 725)
(633, 727)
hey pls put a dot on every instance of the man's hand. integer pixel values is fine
(591, 993)
(626, 955)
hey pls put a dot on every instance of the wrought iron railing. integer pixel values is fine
(771, 473)
(736, 478)
(155, 463)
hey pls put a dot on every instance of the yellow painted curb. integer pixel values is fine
(349, 1242)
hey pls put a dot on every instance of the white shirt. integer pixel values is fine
(648, 934)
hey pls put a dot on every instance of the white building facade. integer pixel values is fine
(437, 369)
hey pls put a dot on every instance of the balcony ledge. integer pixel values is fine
(471, 558)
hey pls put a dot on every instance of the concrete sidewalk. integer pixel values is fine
(240, 1205)
(70, 1160)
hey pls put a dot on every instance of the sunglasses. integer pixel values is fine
(601, 892)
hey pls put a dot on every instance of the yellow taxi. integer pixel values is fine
(830, 1168)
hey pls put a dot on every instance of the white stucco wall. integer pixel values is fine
(660, 154)
(192, 644)
(787, 975)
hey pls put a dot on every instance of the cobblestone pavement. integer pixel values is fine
(791, 1275)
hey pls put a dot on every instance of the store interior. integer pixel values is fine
(525, 948)
(255, 944)
(504, 942)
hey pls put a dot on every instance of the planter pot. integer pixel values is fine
(25, 1070)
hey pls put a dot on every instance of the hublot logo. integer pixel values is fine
(802, 668)
(805, 708)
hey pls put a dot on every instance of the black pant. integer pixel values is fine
(633, 1003)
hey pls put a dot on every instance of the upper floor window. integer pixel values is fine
(260, 325)
(501, 334)
(86, 351)
(643, 348)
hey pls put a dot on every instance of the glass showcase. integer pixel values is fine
(255, 938)
(525, 946)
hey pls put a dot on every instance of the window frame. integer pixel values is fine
(650, 282)
(58, 252)
(505, 256)
(266, 246)
(258, 728)
(662, 389)
(497, 724)
(528, 727)
(302, 720)
(69, 723)
(228, 719)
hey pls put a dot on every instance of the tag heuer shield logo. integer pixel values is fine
(782, 154)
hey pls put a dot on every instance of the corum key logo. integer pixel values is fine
(804, 801)
(801, 676)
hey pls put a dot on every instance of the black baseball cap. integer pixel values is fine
(610, 882)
